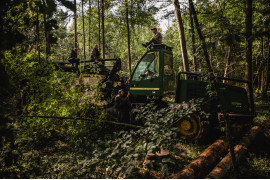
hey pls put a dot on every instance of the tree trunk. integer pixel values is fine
(248, 73)
(202, 39)
(192, 39)
(38, 38)
(181, 35)
(200, 65)
(262, 59)
(103, 28)
(98, 23)
(84, 55)
(128, 38)
(89, 28)
(227, 63)
(45, 33)
(262, 79)
(264, 91)
(75, 26)
(46, 36)
(267, 67)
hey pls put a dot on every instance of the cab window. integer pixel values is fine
(147, 67)
(168, 75)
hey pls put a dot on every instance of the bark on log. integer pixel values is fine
(225, 165)
(201, 166)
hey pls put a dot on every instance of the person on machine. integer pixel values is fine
(157, 39)
(121, 100)
(73, 57)
(119, 86)
(95, 57)
(122, 105)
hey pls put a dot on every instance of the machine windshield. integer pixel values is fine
(147, 68)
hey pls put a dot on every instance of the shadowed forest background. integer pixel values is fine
(37, 34)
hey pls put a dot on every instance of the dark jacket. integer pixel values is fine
(117, 88)
(73, 54)
(95, 54)
(157, 39)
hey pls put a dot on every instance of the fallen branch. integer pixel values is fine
(79, 118)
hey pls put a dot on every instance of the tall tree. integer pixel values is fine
(248, 36)
(75, 26)
(89, 26)
(181, 34)
(202, 39)
(267, 71)
(228, 57)
(37, 35)
(84, 55)
(128, 37)
(103, 27)
(99, 24)
(192, 38)
(46, 31)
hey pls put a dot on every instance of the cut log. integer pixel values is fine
(204, 162)
(225, 165)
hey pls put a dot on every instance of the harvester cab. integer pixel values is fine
(154, 74)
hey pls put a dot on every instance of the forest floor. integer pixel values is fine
(58, 159)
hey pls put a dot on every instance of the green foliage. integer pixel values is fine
(101, 152)
(56, 95)
(140, 18)
(46, 92)
(95, 152)
(122, 154)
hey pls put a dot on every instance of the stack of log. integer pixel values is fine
(200, 167)
(226, 165)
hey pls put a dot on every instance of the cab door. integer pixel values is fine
(146, 79)
(168, 74)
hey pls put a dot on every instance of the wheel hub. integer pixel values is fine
(185, 125)
(188, 126)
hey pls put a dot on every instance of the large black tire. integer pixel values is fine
(194, 128)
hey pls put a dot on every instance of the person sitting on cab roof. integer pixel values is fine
(157, 39)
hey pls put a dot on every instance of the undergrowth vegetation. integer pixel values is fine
(59, 130)
(100, 150)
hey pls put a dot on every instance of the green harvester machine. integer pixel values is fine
(154, 76)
